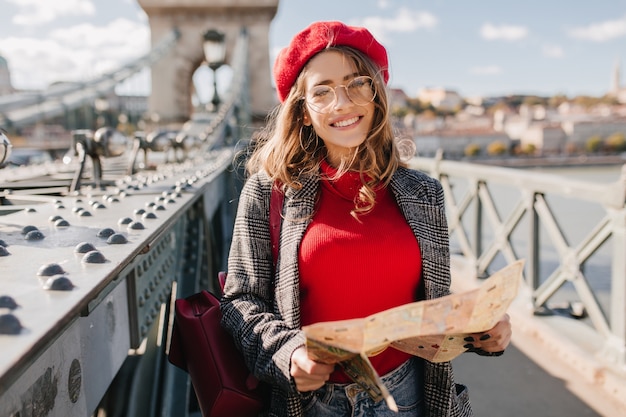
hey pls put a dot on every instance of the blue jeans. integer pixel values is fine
(405, 384)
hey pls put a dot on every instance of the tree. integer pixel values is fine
(496, 148)
(594, 144)
(616, 142)
(472, 150)
(529, 149)
(557, 100)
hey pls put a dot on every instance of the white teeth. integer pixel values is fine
(347, 122)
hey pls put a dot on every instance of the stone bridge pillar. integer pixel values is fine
(172, 82)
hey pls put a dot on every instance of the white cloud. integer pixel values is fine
(76, 53)
(552, 51)
(601, 32)
(486, 70)
(36, 12)
(405, 20)
(503, 32)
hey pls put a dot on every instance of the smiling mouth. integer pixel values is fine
(347, 122)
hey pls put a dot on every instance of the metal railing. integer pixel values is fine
(532, 229)
(23, 109)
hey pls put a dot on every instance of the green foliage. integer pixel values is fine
(399, 112)
(594, 144)
(496, 148)
(529, 149)
(616, 142)
(472, 150)
(557, 100)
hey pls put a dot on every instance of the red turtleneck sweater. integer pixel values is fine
(351, 269)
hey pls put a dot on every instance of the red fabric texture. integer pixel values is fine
(314, 39)
(351, 269)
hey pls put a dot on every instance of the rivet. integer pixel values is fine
(61, 223)
(117, 239)
(7, 301)
(84, 213)
(136, 226)
(106, 232)
(54, 218)
(125, 220)
(4, 251)
(61, 283)
(149, 215)
(50, 269)
(31, 210)
(84, 247)
(139, 212)
(34, 235)
(9, 324)
(28, 228)
(94, 257)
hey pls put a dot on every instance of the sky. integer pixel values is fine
(477, 48)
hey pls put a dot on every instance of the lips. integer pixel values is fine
(346, 122)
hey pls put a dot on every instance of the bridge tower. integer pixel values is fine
(172, 76)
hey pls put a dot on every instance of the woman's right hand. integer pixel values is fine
(308, 374)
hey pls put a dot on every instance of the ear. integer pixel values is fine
(306, 119)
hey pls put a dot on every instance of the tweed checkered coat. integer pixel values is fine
(261, 309)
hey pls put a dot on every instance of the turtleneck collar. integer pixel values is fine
(346, 186)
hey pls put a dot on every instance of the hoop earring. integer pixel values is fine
(312, 140)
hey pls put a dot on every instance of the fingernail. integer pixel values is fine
(469, 339)
(485, 337)
(468, 346)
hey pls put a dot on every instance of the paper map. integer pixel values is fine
(432, 329)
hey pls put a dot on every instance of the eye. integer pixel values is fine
(359, 82)
(320, 91)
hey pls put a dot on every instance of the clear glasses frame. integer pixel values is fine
(360, 90)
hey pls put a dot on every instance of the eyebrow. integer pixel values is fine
(345, 78)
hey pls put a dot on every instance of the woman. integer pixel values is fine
(360, 233)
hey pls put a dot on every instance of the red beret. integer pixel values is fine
(315, 38)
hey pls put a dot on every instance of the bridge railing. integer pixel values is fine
(535, 206)
(23, 109)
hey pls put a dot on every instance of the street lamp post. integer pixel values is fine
(214, 53)
(5, 149)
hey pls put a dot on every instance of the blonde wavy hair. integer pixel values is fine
(288, 150)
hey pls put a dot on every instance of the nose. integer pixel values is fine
(341, 96)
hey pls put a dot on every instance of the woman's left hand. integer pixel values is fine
(493, 341)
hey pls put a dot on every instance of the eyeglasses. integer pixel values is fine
(360, 90)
